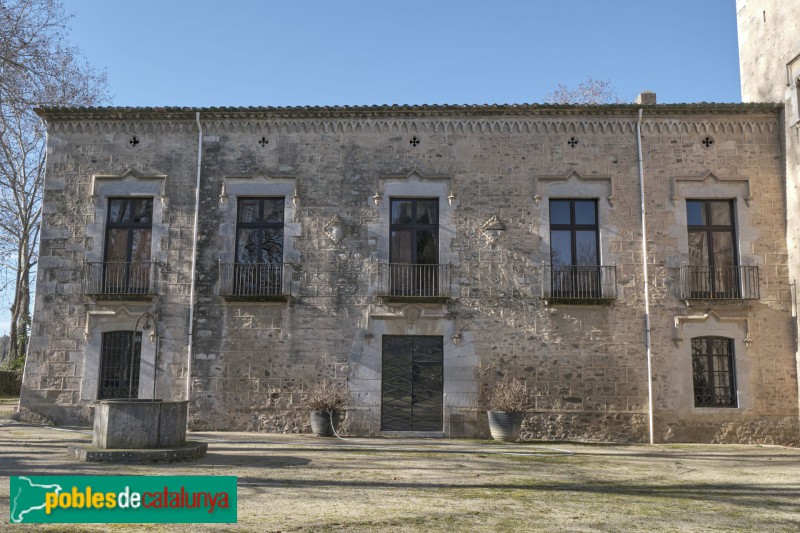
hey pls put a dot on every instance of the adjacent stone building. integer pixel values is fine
(419, 254)
(769, 63)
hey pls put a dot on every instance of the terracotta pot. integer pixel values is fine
(505, 426)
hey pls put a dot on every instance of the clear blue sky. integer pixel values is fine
(214, 53)
(270, 53)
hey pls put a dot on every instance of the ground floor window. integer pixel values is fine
(413, 383)
(118, 374)
(713, 372)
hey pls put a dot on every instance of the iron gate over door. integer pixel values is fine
(412, 383)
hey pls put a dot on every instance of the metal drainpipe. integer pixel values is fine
(194, 257)
(646, 283)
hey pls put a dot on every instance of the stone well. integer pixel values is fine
(140, 424)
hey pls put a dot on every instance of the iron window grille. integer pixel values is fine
(713, 372)
(116, 366)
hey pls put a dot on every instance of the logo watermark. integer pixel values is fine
(123, 499)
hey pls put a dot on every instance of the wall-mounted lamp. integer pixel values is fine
(451, 198)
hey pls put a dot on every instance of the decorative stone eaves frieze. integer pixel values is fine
(566, 125)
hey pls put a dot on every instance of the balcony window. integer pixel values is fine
(127, 269)
(575, 272)
(258, 268)
(414, 269)
(713, 271)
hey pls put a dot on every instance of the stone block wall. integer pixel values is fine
(586, 364)
(769, 65)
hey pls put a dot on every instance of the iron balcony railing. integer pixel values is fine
(414, 280)
(252, 280)
(120, 278)
(719, 283)
(579, 282)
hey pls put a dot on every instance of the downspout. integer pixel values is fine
(194, 257)
(646, 283)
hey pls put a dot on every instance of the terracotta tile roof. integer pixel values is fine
(509, 110)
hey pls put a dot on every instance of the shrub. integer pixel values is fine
(509, 395)
(327, 396)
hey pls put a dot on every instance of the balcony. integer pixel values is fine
(719, 283)
(414, 282)
(253, 281)
(115, 280)
(579, 284)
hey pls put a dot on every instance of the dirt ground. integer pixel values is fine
(301, 483)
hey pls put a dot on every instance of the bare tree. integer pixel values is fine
(37, 67)
(588, 92)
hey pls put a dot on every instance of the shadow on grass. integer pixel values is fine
(738, 494)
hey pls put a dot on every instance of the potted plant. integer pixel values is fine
(507, 401)
(326, 400)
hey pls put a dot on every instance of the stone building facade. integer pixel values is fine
(419, 254)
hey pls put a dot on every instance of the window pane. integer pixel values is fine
(586, 248)
(427, 248)
(559, 212)
(401, 211)
(119, 210)
(144, 212)
(585, 212)
(427, 211)
(722, 241)
(272, 248)
(117, 245)
(720, 213)
(698, 252)
(402, 250)
(695, 213)
(248, 210)
(141, 245)
(247, 246)
(560, 248)
(273, 210)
